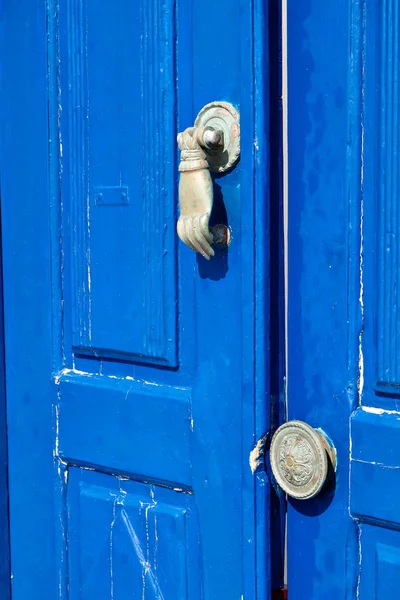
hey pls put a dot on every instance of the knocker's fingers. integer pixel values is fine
(192, 234)
(195, 234)
(182, 232)
(206, 251)
(205, 229)
(202, 240)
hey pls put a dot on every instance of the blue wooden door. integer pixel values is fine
(137, 377)
(343, 291)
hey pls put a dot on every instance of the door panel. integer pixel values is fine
(324, 149)
(118, 140)
(343, 326)
(375, 425)
(130, 539)
(88, 434)
(136, 371)
(380, 569)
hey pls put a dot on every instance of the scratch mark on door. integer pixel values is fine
(148, 573)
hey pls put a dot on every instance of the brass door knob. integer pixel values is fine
(300, 457)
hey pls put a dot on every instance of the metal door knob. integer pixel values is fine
(300, 457)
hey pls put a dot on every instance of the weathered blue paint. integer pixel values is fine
(5, 585)
(5, 582)
(375, 472)
(343, 291)
(324, 318)
(137, 373)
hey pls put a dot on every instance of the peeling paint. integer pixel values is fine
(65, 372)
(359, 563)
(256, 458)
(153, 383)
(378, 411)
(57, 431)
(89, 279)
(376, 464)
(72, 371)
(143, 382)
(360, 383)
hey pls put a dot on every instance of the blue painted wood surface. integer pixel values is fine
(375, 470)
(343, 325)
(137, 373)
(324, 318)
(5, 573)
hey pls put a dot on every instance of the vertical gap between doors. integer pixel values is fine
(285, 217)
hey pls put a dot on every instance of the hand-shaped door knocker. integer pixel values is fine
(213, 144)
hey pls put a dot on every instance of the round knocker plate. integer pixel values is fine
(299, 460)
(222, 116)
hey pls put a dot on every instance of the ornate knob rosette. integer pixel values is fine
(299, 459)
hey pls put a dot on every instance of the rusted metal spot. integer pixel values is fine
(222, 236)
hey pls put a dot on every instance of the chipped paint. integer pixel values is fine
(360, 383)
(152, 383)
(256, 458)
(89, 279)
(65, 372)
(359, 562)
(57, 437)
(378, 411)
(143, 382)
(376, 464)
